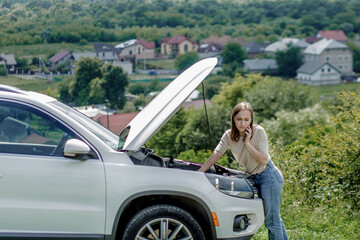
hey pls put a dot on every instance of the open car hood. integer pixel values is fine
(164, 105)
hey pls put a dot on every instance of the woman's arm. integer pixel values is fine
(256, 154)
(211, 161)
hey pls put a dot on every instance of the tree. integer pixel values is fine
(183, 61)
(274, 94)
(213, 84)
(289, 60)
(234, 92)
(195, 134)
(233, 56)
(115, 82)
(86, 70)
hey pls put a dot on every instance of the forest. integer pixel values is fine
(82, 21)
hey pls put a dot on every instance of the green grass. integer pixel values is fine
(328, 90)
(35, 84)
(165, 63)
(43, 50)
(336, 221)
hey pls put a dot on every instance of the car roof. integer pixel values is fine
(17, 93)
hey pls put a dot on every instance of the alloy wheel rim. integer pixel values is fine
(164, 229)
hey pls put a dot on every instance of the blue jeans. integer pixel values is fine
(270, 183)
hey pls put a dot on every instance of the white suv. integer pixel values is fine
(62, 175)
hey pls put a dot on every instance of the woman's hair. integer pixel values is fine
(235, 133)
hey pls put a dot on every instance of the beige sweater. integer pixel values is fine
(240, 152)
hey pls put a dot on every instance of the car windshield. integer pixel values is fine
(101, 132)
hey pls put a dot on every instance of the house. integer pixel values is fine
(254, 48)
(106, 52)
(116, 122)
(138, 49)
(176, 45)
(207, 50)
(318, 73)
(337, 35)
(9, 61)
(260, 65)
(312, 39)
(62, 57)
(283, 44)
(333, 52)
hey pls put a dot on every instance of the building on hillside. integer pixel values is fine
(9, 61)
(106, 52)
(254, 48)
(333, 52)
(62, 57)
(173, 46)
(126, 66)
(136, 49)
(267, 66)
(283, 44)
(337, 35)
(318, 73)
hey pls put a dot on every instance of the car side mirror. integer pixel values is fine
(75, 148)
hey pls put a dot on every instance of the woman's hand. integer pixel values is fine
(247, 134)
(211, 161)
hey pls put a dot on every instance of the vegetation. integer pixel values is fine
(183, 61)
(83, 21)
(95, 82)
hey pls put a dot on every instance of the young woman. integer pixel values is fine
(248, 143)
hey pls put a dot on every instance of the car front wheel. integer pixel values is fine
(163, 222)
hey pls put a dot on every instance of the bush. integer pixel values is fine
(329, 169)
(288, 126)
(3, 71)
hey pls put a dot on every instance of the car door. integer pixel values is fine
(42, 192)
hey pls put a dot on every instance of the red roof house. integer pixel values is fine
(60, 57)
(172, 46)
(337, 35)
(117, 122)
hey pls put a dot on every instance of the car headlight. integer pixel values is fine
(234, 186)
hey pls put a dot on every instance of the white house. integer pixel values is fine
(283, 43)
(318, 73)
(136, 48)
(333, 52)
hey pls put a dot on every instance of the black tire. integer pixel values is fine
(158, 218)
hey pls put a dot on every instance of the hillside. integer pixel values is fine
(83, 21)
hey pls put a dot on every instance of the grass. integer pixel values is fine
(303, 221)
(163, 64)
(43, 50)
(328, 90)
(34, 84)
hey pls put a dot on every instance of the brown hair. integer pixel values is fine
(235, 133)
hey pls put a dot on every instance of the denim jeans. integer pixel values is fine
(270, 183)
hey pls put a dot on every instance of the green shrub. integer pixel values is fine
(3, 71)
(329, 169)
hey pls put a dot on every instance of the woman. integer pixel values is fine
(248, 143)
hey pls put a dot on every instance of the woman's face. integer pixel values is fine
(242, 120)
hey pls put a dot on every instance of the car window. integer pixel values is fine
(105, 135)
(25, 130)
